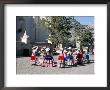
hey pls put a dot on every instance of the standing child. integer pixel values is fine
(84, 57)
(60, 58)
(65, 57)
(33, 55)
(74, 58)
(87, 57)
(69, 56)
(42, 57)
(49, 58)
(80, 57)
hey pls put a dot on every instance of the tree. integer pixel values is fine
(59, 27)
(86, 38)
(83, 35)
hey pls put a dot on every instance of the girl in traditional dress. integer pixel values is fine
(49, 58)
(33, 55)
(42, 58)
(87, 57)
(60, 58)
(84, 57)
(69, 56)
(65, 56)
(74, 58)
(80, 58)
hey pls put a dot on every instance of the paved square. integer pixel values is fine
(24, 67)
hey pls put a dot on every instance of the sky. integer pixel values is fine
(85, 20)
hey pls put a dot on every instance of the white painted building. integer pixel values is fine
(40, 30)
(32, 27)
(28, 32)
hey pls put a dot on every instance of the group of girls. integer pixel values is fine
(67, 57)
(46, 58)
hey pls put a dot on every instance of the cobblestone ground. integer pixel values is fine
(24, 67)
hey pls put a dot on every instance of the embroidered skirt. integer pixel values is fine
(61, 58)
(48, 57)
(33, 57)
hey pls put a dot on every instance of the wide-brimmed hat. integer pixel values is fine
(42, 49)
(47, 49)
(34, 47)
(65, 51)
(78, 49)
(65, 47)
(69, 48)
(75, 48)
(61, 48)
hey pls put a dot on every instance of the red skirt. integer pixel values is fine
(61, 58)
(33, 57)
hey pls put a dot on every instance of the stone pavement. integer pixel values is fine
(24, 67)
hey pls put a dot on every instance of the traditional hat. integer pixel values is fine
(42, 49)
(65, 47)
(34, 47)
(47, 49)
(75, 48)
(69, 48)
(61, 48)
(65, 51)
(78, 49)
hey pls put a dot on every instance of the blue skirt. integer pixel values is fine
(48, 57)
(68, 58)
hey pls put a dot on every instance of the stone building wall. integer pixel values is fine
(23, 49)
(27, 26)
